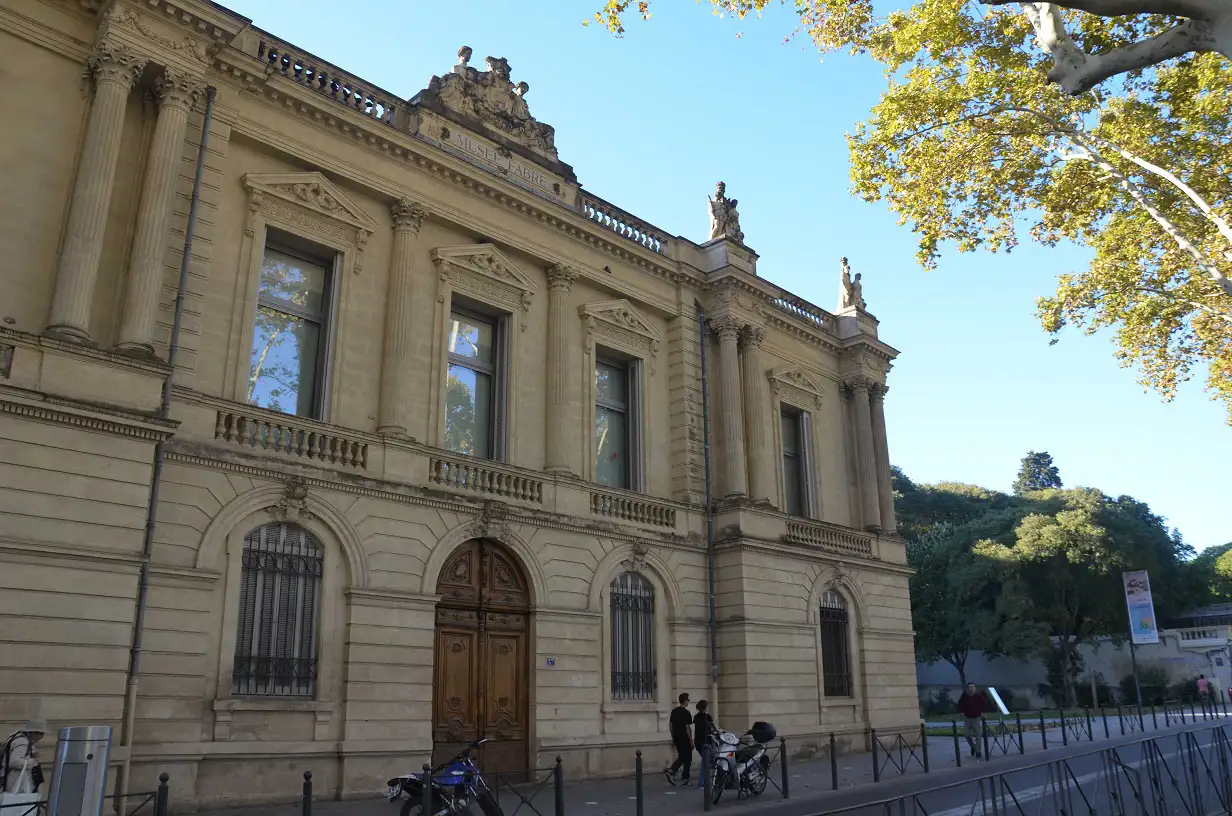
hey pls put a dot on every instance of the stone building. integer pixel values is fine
(433, 464)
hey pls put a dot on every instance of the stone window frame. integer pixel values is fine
(663, 701)
(491, 283)
(615, 329)
(331, 630)
(796, 389)
(499, 374)
(311, 210)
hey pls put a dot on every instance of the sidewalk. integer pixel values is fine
(809, 782)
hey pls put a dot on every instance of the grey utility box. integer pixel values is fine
(79, 781)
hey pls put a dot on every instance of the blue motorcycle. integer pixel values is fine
(456, 785)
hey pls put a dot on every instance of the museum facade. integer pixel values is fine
(433, 460)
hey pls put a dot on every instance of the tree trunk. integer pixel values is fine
(1067, 677)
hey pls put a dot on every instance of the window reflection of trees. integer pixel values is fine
(283, 365)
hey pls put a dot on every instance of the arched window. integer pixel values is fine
(280, 592)
(835, 646)
(633, 646)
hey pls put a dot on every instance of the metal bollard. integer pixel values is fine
(957, 752)
(558, 786)
(1103, 712)
(1167, 715)
(783, 763)
(1154, 719)
(1121, 720)
(425, 793)
(1064, 728)
(1022, 746)
(1090, 726)
(1043, 730)
(707, 780)
(876, 762)
(306, 805)
(984, 734)
(834, 763)
(164, 796)
(638, 786)
(924, 745)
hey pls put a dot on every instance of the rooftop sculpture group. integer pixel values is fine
(724, 219)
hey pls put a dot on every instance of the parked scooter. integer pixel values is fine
(741, 763)
(456, 785)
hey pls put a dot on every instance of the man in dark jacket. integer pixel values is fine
(972, 706)
(681, 726)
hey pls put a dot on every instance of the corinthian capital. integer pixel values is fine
(115, 63)
(879, 390)
(752, 336)
(858, 384)
(561, 277)
(727, 326)
(408, 215)
(176, 89)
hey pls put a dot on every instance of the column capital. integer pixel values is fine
(752, 336)
(727, 326)
(176, 89)
(859, 384)
(561, 277)
(408, 215)
(115, 63)
(878, 391)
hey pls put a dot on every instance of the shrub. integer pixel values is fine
(1154, 683)
(939, 705)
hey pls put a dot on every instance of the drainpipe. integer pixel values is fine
(129, 719)
(714, 628)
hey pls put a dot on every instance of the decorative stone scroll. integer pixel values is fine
(311, 205)
(636, 562)
(797, 385)
(618, 324)
(484, 273)
(293, 506)
(118, 18)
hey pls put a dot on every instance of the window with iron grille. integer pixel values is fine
(633, 639)
(835, 646)
(280, 591)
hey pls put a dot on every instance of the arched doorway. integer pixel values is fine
(481, 684)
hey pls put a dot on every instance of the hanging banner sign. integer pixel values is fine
(1142, 628)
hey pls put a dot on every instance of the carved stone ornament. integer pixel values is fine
(636, 562)
(618, 324)
(123, 18)
(310, 205)
(797, 386)
(492, 98)
(561, 277)
(851, 290)
(726, 326)
(724, 218)
(175, 89)
(408, 215)
(293, 504)
(491, 523)
(484, 273)
(110, 62)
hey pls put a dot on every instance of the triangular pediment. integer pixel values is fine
(312, 191)
(623, 314)
(799, 379)
(485, 260)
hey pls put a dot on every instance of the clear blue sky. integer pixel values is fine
(652, 121)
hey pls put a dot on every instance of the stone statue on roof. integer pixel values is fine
(851, 291)
(724, 217)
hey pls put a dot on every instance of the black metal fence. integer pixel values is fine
(146, 803)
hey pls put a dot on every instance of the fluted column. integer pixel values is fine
(397, 363)
(728, 328)
(756, 414)
(866, 460)
(115, 69)
(560, 280)
(176, 94)
(885, 488)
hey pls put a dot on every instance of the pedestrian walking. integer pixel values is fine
(20, 752)
(681, 727)
(1204, 691)
(972, 706)
(703, 728)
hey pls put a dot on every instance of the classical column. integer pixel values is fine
(115, 69)
(176, 94)
(866, 460)
(885, 489)
(728, 328)
(397, 364)
(756, 414)
(560, 279)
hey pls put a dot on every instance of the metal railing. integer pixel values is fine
(145, 803)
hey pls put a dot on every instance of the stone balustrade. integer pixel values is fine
(632, 508)
(829, 537)
(484, 477)
(624, 224)
(291, 436)
(801, 308)
(327, 80)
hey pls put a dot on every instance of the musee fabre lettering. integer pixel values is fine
(506, 164)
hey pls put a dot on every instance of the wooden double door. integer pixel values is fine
(481, 682)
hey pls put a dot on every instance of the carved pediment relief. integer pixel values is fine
(485, 273)
(797, 385)
(618, 324)
(311, 206)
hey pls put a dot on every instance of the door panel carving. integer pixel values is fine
(481, 685)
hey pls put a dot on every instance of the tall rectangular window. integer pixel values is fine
(286, 367)
(474, 384)
(633, 651)
(835, 648)
(795, 434)
(617, 424)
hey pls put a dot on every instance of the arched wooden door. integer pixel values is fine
(481, 683)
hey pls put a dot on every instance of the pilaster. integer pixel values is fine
(114, 70)
(885, 488)
(397, 360)
(176, 94)
(560, 281)
(727, 327)
(866, 460)
(757, 415)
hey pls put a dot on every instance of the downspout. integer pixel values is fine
(129, 719)
(714, 627)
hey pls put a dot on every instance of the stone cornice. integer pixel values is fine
(88, 558)
(39, 407)
(747, 543)
(776, 307)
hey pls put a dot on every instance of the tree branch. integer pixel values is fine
(1119, 8)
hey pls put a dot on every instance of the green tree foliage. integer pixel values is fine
(1209, 575)
(1036, 473)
